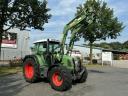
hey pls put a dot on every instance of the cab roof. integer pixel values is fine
(45, 40)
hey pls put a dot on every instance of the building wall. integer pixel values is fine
(22, 46)
(86, 51)
(120, 63)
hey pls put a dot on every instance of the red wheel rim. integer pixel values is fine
(57, 79)
(29, 70)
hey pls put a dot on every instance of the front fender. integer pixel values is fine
(67, 61)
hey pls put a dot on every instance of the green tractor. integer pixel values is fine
(49, 60)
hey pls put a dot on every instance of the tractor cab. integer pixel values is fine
(46, 46)
(48, 49)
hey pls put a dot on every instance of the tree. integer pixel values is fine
(99, 24)
(125, 45)
(103, 45)
(116, 45)
(22, 14)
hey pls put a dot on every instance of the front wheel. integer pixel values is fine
(83, 76)
(60, 79)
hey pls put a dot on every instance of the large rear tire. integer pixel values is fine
(31, 70)
(60, 79)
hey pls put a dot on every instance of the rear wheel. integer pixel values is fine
(60, 79)
(30, 70)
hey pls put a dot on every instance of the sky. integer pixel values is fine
(63, 11)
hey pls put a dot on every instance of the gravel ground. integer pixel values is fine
(102, 81)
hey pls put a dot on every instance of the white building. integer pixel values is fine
(15, 44)
(85, 51)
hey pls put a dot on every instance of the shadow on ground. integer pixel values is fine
(95, 71)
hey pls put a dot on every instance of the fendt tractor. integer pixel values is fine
(49, 60)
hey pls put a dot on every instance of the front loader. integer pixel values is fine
(49, 60)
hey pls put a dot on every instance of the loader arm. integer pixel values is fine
(72, 39)
(74, 26)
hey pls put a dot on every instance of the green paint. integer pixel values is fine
(67, 61)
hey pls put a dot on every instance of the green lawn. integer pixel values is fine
(12, 70)
(93, 65)
(9, 70)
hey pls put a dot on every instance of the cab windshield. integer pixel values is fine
(54, 47)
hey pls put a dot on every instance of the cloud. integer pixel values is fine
(120, 7)
(57, 23)
(62, 12)
(65, 7)
(44, 35)
(68, 3)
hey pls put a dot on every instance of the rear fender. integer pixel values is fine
(31, 56)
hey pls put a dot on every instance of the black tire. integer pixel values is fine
(35, 73)
(83, 76)
(65, 76)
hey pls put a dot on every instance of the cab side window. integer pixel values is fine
(42, 47)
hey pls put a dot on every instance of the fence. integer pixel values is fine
(120, 63)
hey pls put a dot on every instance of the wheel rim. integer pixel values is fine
(57, 79)
(29, 70)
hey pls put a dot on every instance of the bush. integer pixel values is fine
(16, 63)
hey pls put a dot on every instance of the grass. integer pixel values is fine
(93, 65)
(13, 70)
(9, 70)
